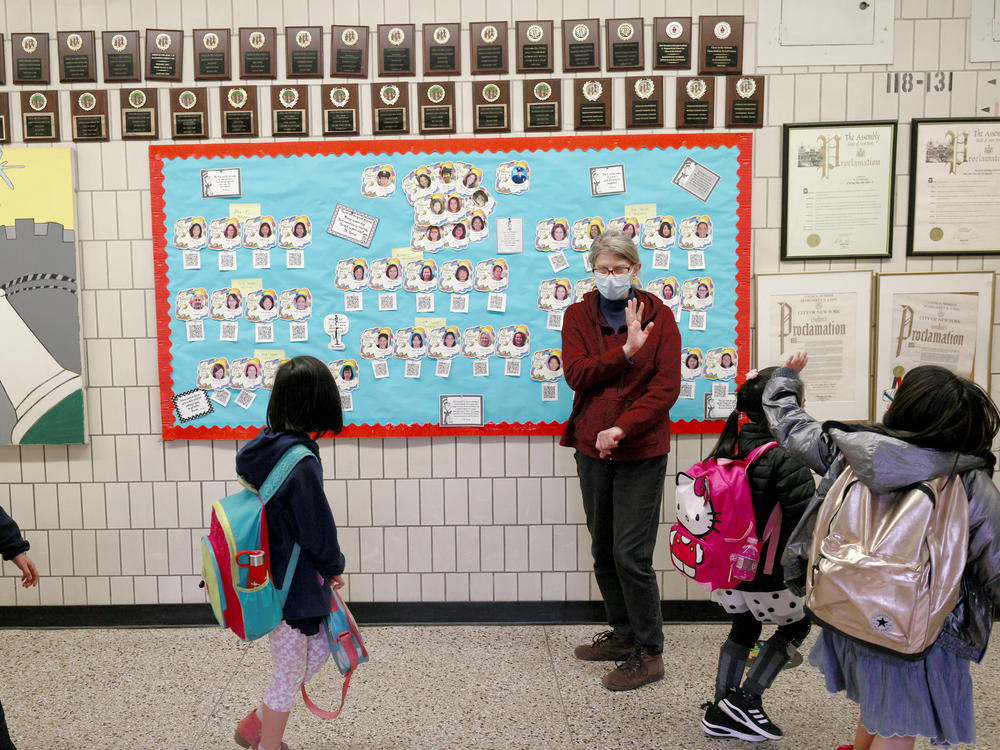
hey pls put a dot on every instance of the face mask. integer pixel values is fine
(614, 287)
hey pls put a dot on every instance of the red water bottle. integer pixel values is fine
(256, 566)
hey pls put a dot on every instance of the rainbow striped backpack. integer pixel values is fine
(239, 525)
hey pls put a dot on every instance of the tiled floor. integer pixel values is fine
(425, 687)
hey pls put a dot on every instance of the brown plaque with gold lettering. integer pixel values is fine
(390, 108)
(442, 49)
(89, 115)
(239, 111)
(744, 101)
(625, 45)
(4, 117)
(721, 42)
(290, 110)
(121, 56)
(695, 102)
(644, 101)
(163, 54)
(258, 52)
(672, 43)
(340, 109)
(39, 116)
(395, 49)
(534, 46)
(3, 72)
(581, 45)
(436, 102)
(542, 104)
(140, 115)
(592, 103)
(349, 51)
(189, 113)
(304, 52)
(31, 58)
(212, 55)
(489, 48)
(77, 59)
(491, 106)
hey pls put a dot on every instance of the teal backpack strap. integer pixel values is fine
(282, 469)
(289, 572)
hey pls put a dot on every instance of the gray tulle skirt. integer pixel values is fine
(931, 698)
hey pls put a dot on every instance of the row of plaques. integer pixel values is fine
(721, 50)
(436, 105)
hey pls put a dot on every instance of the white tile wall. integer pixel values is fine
(459, 519)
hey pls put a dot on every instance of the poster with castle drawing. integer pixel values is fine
(41, 386)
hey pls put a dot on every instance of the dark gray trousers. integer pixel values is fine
(622, 502)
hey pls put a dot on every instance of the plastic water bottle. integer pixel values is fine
(744, 562)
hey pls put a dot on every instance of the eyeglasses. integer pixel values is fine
(616, 271)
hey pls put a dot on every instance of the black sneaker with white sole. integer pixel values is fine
(746, 708)
(718, 723)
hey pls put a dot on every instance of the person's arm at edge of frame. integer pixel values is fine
(14, 547)
(583, 370)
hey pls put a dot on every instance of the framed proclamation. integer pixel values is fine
(942, 318)
(954, 187)
(837, 190)
(827, 314)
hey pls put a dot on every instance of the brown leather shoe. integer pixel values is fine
(606, 646)
(640, 668)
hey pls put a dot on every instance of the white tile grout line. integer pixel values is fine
(225, 689)
(555, 672)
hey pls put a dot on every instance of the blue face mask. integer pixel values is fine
(614, 287)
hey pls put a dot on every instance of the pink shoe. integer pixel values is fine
(846, 747)
(248, 732)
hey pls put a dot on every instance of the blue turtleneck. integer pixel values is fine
(613, 310)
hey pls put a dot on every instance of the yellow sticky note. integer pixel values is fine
(428, 323)
(407, 254)
(244, 211)
(265, 354)
(246, 286)
(641, 211)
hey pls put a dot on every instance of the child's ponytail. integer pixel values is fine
(749, 398)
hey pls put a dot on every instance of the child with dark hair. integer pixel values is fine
(938, 425)
(304, 406)
(781, 486)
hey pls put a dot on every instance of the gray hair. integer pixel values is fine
(614, 242)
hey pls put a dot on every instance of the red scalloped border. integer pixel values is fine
(157, 153)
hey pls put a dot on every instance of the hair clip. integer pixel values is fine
(752, 374)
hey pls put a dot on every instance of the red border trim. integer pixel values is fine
(157, 153)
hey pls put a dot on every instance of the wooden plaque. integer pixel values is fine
(592, 103)
(77, 57)
(4, 117)
(491, 106)
(258, 52)
(39, 116)
(238, 106)
(212, 55)
(390, 109)
(744, 101)
(644, 101)
(442, 49)
(121, 56)
(543, 104)
(340, 109)
(534, 46)
(140, 114)
(304, 52)
(3, 74)
(489, 48)
(695, 102)
(89, 115)
(349, 51)
(289, 111)
(672, 43)
(581, 45)
(624, 43)
(721, 42)
(30, 54)
(436, 104)
(395, 49)
(163, 54)
(189, 113)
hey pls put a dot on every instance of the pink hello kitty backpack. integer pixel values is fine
(714, 541)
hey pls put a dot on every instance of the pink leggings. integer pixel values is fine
(295, 658)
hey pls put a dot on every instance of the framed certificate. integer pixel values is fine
(954, 187)
(942, 318)
(837, 190)
(828, 315)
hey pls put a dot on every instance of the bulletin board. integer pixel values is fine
(432, 275)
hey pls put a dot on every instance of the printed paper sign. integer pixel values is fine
(461, 411)
(696, 179)
(192, 404)
(352, 225)
(609, 180)
(510, 235)
(221, 183)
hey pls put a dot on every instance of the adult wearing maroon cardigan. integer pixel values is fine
(622, 356)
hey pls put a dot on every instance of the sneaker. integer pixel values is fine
(606, 646)
(640, 668)
(746, 708)
(717, 723)
(846, 747)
